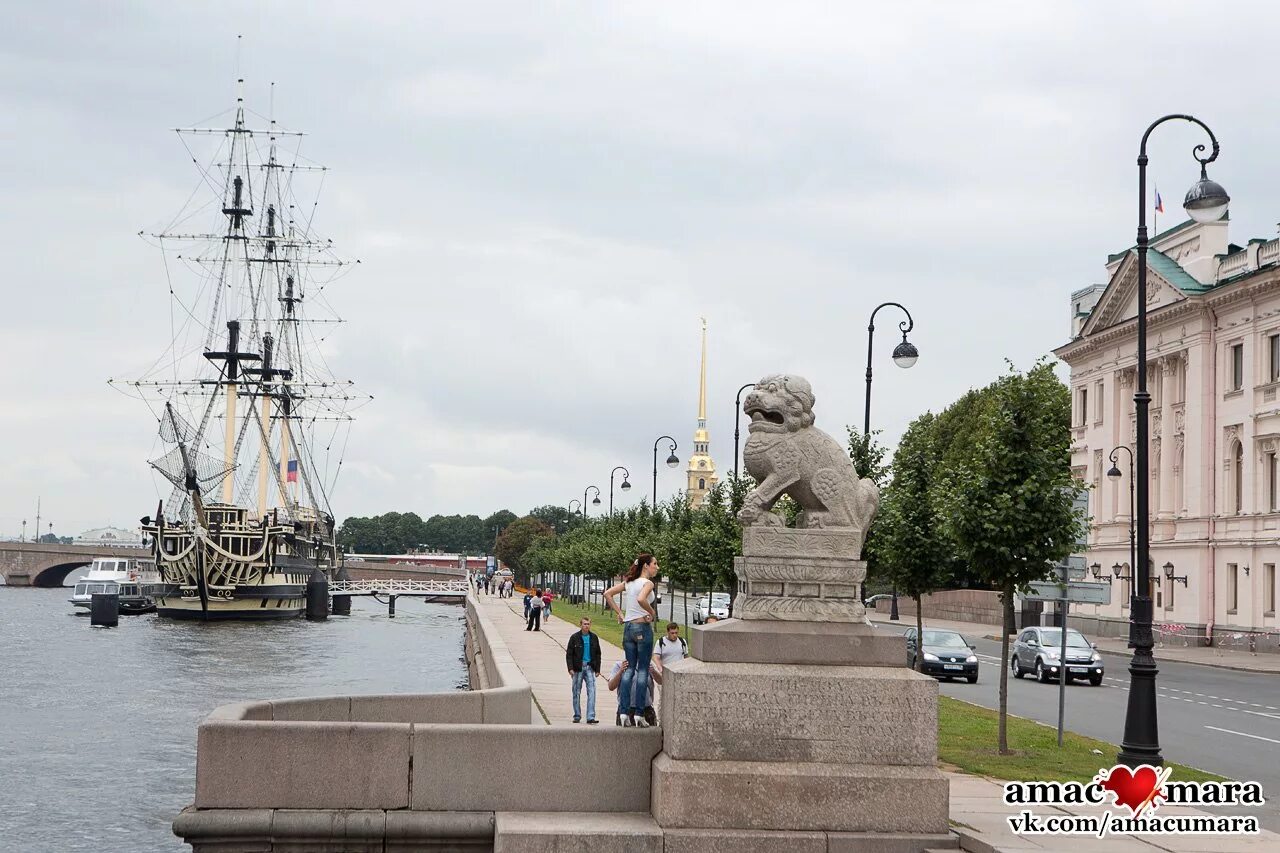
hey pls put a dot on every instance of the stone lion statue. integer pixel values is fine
(787, 455)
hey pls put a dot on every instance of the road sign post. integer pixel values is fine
(1064, 607)
(1069, 587)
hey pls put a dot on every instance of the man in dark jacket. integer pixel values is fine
(582, 656)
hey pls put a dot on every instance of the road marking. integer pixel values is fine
(1257, 713)
(1243, 734)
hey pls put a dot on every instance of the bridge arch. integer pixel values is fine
(54, 576)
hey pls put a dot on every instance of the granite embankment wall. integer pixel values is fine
(406, 770)
(962, 605)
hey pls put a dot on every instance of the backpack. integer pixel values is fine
(684, 647)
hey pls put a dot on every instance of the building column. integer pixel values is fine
(1168, 393)
(1124, 435)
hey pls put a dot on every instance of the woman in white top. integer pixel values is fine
(637, 615)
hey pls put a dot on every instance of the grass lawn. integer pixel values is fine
(603, 622)
(967, 740)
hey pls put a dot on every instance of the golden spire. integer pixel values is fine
(702, 468)
(702, 380)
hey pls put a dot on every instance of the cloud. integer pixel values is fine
(545, 199)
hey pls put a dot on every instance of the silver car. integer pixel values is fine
(704, 608)
(1037, 651)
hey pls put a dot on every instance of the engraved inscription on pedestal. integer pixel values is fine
(761, 712)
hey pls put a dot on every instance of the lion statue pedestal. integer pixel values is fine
(796, 725)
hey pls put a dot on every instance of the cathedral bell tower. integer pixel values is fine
(702, 468)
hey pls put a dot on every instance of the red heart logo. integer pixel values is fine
(1133, 789)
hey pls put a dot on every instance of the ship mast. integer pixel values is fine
(231, 381)
(255, 274)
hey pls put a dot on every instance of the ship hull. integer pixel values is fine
(257, 603)
(242, 570)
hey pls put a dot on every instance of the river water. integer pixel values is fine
(98, 726)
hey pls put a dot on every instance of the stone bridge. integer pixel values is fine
(49, 563)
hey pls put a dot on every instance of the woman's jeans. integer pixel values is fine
(637, 643)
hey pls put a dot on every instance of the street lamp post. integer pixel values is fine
(672, 461)
(904, 355)
(626, 484)
(595, 500)
(24, 530)
(1206, 201)
(572, 510)
(737, 414)
(1114, 474)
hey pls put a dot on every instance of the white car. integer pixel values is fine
(720, 609)
(596, 587)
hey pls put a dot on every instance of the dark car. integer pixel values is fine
(1037, 651)
(946, 654)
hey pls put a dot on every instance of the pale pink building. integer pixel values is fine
(1213, 371)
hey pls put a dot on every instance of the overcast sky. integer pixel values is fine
(545, 197)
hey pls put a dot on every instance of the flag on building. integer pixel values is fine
(292, 476)
(1159, 203)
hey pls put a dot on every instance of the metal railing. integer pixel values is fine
(399, 587)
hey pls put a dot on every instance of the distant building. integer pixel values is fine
(433, 560)
(702, 468)
(109, 536)
(1213, 372)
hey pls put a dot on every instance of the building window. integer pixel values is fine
(1237, 367)
(1233, 588)
(702, 484)
(1098, 396)
(1237, 478)
(1082, 413)
(1168, 598)
(1269, 588)
(1270, 462)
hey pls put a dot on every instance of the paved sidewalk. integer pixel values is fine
(980, 816)
(540, 656)
(1222, 658)
(978, 812)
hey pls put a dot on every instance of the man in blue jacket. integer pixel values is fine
(582, 655)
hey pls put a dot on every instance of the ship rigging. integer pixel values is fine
(248, 517)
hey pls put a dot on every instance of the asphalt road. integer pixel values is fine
(1220, 720)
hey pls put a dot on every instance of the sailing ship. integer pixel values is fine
(252, 421)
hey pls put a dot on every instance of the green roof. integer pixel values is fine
(1171, 272)
(1186, 223)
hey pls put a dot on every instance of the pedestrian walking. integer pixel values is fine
(637, 615)
(546, 602)
(486, 584)
(582, 655)
(510, 585)
(534, 622)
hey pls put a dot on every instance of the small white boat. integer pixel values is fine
(134, 580)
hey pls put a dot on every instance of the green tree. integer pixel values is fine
(516, 539)
(868, 457)
(491, 527)
(557, 517)
(1009, 498)
(912, 542)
